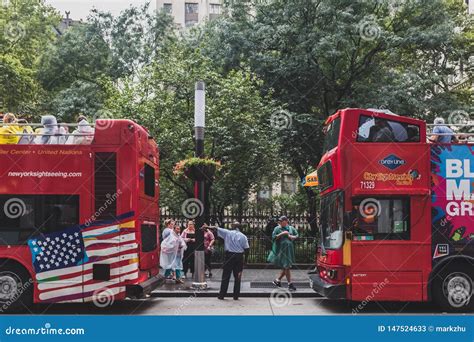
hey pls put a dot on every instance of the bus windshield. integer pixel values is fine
(331, 220)
(331, 138)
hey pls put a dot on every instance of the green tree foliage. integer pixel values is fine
(80, 54)
(26, 27)
(321, 55)
(135, 37)
(79, 66)
(17, 83)
(73, 69)
(237, 132)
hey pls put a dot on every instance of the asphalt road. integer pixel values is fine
(163, 302)
(244, 306)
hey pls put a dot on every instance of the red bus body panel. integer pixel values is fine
(395, 270)
(70, 170)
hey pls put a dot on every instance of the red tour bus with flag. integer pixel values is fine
(396, 213)
(79, 221)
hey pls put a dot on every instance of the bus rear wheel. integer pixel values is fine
(453, 289)
(16, 288)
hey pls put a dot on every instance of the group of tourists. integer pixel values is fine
(18, 131)
(177, 252)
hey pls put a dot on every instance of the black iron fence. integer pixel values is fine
(258, 227)
(260, 247)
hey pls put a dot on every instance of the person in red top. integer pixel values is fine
(209, 240)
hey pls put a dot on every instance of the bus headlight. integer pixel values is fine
(332, 274)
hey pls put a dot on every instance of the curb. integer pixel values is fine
(182, 294)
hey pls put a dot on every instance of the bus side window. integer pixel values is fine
(17, 219)
(149, 180)
(59, 212)
(26, 216)
(382, 218)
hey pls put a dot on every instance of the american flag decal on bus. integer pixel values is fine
(63, 261)
(58, 250)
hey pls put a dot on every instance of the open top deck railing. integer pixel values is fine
(463, 137)
(53, 134)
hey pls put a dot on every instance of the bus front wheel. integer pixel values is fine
(453, 289)
(16, 288)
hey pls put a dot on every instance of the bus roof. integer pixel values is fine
(383, 113)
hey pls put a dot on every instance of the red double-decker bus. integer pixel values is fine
(396, 214)
(79, 221)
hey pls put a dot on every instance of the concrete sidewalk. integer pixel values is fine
(255, 283)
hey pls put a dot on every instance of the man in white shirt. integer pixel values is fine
(235, 245)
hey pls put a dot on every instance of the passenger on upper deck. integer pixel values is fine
(49, 132)
(27, 131)
(9, 134)
(442, 133)
(63, 133)
(84, 128)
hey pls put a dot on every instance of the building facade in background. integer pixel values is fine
(187, 13)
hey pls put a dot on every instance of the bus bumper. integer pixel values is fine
(331, 291)
(142, 289)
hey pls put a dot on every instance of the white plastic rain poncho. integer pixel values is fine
(172, 249)
(49, 131)
(84, 128)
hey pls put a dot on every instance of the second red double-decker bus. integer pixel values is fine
(79, 221)
(397, 213)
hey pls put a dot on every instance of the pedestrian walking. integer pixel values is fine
(282, 254)
(236, 245)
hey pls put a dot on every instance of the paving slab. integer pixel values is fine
(255, 283)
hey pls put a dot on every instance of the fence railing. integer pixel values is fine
(253, 223)
(260, 247)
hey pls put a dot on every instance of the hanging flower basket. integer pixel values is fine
(197, 169)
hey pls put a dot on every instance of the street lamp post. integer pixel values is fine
(199, 185)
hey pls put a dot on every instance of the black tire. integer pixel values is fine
(453, 288)
(16, 288)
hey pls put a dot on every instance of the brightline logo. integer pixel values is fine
(46, 330)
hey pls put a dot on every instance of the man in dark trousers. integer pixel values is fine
(236, 245)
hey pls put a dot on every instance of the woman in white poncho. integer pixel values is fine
(49, 134)
(83, 134)
(172, 249)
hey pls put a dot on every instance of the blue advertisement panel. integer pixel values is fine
(452, 185)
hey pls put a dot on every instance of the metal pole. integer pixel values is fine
(200, 185)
